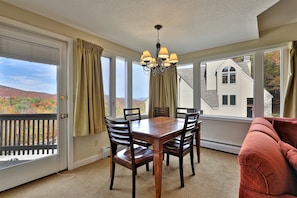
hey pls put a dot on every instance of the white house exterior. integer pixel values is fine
(226, 89)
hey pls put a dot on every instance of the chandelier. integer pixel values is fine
(162, 62)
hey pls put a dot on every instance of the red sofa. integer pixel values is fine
(265, 168)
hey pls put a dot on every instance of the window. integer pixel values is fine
(120, 85)
(272, 83)
(105, 64)
(121, 92)
(232, 100)
(27, 87)
(185, 85)
(140, 88)
(228, 75)
(225, 100)
(232, 75)
(219, 99)
(250, 107)
(28, 73)
(225, 75)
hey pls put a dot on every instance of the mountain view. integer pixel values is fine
(16, 101)
(6, 92)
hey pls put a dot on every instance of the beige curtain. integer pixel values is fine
(290, 102)
(163, 91)
(89, 98)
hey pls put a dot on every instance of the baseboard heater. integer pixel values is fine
(221, 146)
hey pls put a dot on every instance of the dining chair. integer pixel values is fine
(181, 112)
(161, 111)
(182, 145)
(132, 156)
(133, 114)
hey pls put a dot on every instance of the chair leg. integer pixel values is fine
(192, 161)
(133, 183)
(198, 146)
(181, 172)
(112, 175)
(167, 159)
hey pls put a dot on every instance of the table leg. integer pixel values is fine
(158, 165)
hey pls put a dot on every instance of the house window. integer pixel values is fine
(228, 75)
(225, 75)
(249, 112)
(250, 107)
(225, 99)
(232, 99)
(232, 75)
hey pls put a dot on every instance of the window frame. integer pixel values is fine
(258, 98)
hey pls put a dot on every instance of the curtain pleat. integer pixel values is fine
(89, 109)
(163, 91)
(290, 102)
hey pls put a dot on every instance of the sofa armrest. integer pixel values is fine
(263, 167)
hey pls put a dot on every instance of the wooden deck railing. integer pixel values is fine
(22, 134)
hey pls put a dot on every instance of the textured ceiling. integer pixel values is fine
(188, 26)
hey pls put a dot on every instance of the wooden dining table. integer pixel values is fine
(157, 131)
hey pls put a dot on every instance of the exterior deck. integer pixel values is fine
(25, 137)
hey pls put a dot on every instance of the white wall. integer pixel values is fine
(226, 134)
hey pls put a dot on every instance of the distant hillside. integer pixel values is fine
(12, 92)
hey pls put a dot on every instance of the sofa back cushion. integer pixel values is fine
(260, 124)
(286, 129)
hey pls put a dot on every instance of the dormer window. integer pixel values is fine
(228, 75)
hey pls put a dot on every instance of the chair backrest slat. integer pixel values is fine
(161, 111)
(182, 111)
(119, 131)
(190, 127)
(132, 114)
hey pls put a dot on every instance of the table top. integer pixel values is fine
(157, 127)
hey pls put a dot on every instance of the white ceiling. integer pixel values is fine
(188, 25)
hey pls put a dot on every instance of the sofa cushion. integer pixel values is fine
(260, 124)
(290, 154)
(286, 129)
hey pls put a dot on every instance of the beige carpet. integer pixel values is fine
(216, 176)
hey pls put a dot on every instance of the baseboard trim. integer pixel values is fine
(220, 146)
(87, 161)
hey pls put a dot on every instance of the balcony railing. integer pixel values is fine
(24, 134)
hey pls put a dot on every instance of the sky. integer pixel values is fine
(30, 76)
